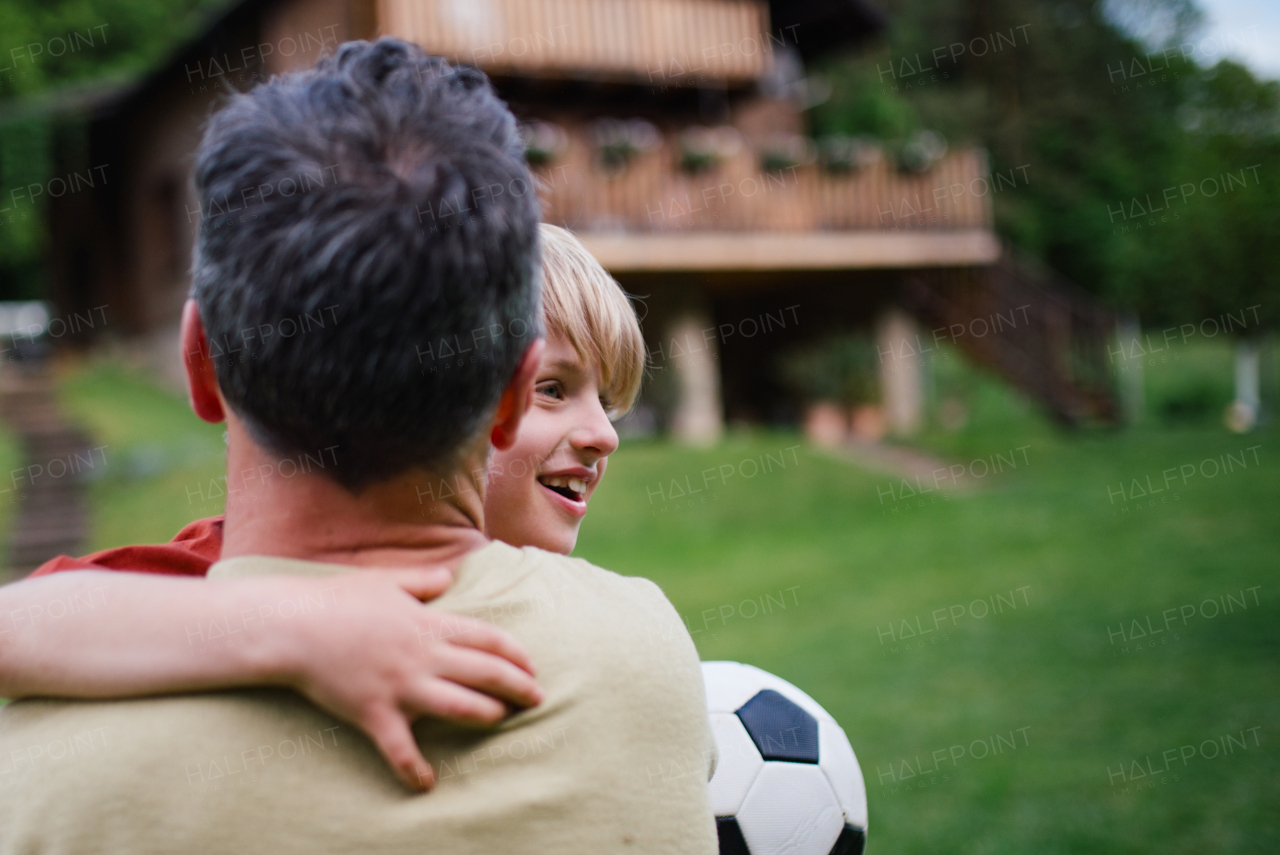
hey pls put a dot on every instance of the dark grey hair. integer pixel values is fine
(382, 304)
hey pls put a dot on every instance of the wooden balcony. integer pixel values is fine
(651, 215)
(657, 42)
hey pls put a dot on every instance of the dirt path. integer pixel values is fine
(902, 463)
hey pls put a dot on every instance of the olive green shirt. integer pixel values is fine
(615, 759)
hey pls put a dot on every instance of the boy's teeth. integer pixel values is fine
(577, 485)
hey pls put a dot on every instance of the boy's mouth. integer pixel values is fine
(571, 488)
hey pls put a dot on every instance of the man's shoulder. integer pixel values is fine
(572, 599)
(592, 581)
(573, 567)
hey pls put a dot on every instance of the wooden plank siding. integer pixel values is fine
(653, 41)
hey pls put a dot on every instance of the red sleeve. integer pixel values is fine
(191, 552)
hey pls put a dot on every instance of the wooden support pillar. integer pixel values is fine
(694, 360)
(901, 372)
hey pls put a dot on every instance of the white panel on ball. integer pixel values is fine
(729, 685)
(837, 760)
(738, 766)
(790, 809)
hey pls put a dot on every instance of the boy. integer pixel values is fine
(591, 369)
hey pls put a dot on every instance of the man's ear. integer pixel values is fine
(202, 379)
(516, 398)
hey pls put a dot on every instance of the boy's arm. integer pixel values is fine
(360, 645)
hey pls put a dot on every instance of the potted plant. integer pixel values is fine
(544, 142)
(922, 151)
(703, 149)
(840, 154)
(836, 377)
(781, 152)
(619, 140)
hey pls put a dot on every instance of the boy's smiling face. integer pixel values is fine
(539, 488)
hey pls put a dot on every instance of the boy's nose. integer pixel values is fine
(596, 434)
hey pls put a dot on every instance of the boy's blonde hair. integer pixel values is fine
(585, 305)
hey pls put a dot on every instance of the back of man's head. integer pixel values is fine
(356, 216)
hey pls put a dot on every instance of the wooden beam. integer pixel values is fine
(861, 250)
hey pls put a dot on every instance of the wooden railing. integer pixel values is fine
(656, 41)
(652, 194)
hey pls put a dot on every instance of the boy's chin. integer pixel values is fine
(562, 541)
(555, 535)
(537, 521)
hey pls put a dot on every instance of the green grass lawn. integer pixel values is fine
(10, 480)
(164, 465)
(1035, 584)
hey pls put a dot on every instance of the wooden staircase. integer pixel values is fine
(1033, 327)
(48, 490)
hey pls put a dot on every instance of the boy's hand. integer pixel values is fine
(380, 659)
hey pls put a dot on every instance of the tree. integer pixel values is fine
(1110, 126)
(50, 47)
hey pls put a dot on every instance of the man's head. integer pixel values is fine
(592, 367)
(357, 216)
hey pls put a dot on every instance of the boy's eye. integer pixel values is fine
(553, 390)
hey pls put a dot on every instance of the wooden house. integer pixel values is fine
(670, 136)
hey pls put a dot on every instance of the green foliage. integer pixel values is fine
(859, 106)
(10, 460)
(840, 369)
(46, 45)
(1192, 385)
(1103, 129)
(49, 46)
(165, 467)
(25, 158)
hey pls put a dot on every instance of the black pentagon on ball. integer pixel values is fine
(850, 842)
(731, 840)
(780, 729)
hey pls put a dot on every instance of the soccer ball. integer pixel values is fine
(787, 779)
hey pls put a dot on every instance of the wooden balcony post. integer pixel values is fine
(698, 418)
(901, 371)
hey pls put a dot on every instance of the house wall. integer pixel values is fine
(159, 202)
(296, 33)
(130, 248)
(143, 268)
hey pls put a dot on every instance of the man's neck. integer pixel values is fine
(293, 509)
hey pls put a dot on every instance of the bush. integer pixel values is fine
(840, 369)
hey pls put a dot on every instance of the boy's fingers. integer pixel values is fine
(426, 583)
(390, 731)
(490, 674)
(451, 702)
(466, 632)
